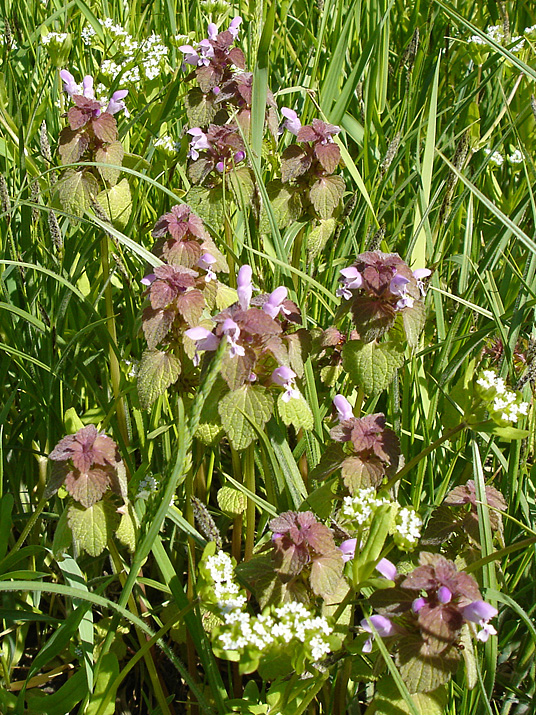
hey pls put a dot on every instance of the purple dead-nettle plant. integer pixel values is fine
(260, 332)
(213, 57)
(368, 451)
(305, 555)
(92, 136)
(222, 148)
(183, 240)
(376, 288)
(429, 607)
(457, 517)
(86, 91)
(88, 462)
(318, 155)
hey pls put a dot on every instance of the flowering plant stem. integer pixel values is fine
(115, 372)
(249, 483)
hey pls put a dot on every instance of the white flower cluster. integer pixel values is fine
(407, 531)
(495, 157)
(59, 37)
(360, 508)
(293, 621)
(504, 404)
(496, 33)
(140, 59)
(226, 590)
(516, 157)
(167, 143)
(240, 630)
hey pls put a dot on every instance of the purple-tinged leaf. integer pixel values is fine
(190, 305)
(88, 487)
(362, 472)
(237, 58)
(156, 325)
(295, 161)
(105, 127)
(328, 155)
(72, 145)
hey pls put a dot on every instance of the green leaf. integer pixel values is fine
(388, 701)
(158, 370)
(209, 429)
(414, 319)
(108, 672)
(92, 527)
(72, 421)
(326, 193)
(318, 237)
(506, 433)
(286, 205)
(332, 458)
(372, 365)
(232, 501)
(64, 700)
(423, 674)
(110, 154)
(126, 532)
(116, 203)
(63, 536)
(76, 190)
(295, 412)
(242, 183)
(207, 204)
(242, 411)
(200, 107)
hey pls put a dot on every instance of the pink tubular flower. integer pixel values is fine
(234, 27)
(69, 85)
(384, 627)
(292, 121)
(205, 262)
(444, 594)
(343, 407)
(351, 280)
(419, 603)
(274, 305)
(285, 377)
(116, 103)
(198, 143)
(200, 56)
(204, 341)
(387, 569)
(348, 549)
(244, 287)
(419, 274)
(398, 286)
(232, 332)
(481, 612)
(212, 31)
